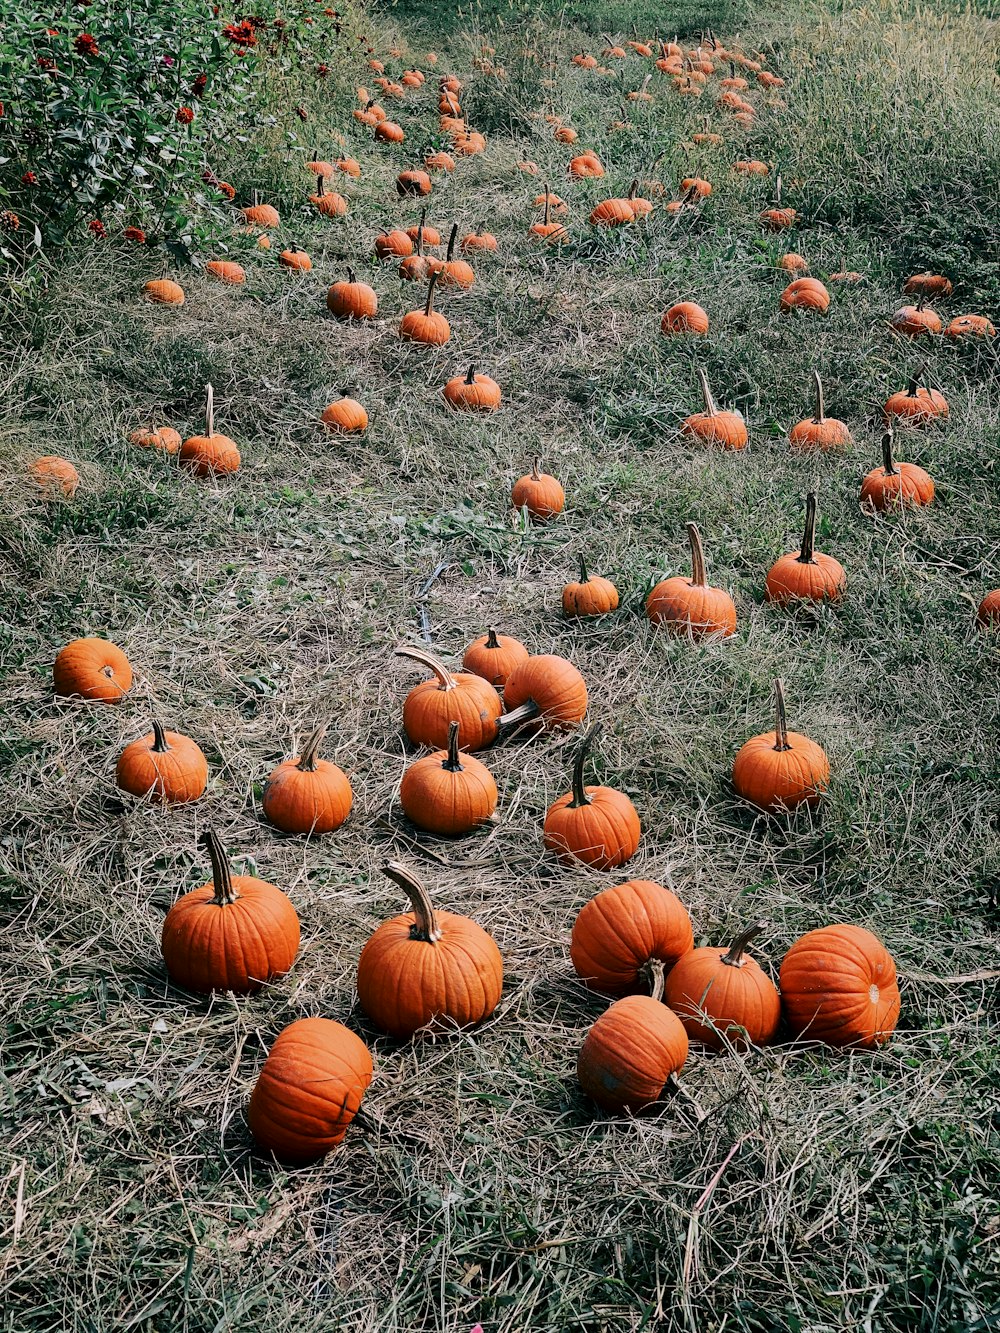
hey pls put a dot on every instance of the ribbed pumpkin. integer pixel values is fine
(476, 242)
(805, 294)
(612, 213)
(161, 291)
(262, 215)
(546, 691)
(896, 485)
(55, 476)
(328, 203)
(541, 494)
(432, 706)
(163, 766)
(622, 928)
(684, 317)
(988, 611)
(780, 770)
(916, 405)
(413, 182)
(309, 1090)
(596, 825)
(819, 433)
(838, 986)
(970, 326)
(426, 966)
(586, 166)
(551, 232)
(345, 416)
(590, 596)
(446, 793)
(806, 574)
(164, 438)
(296, 260)
(308, 794)
(426, 326)
(210, 455)
(226, 271)
(352, 299)
(389, 132)
(927, 284)
(234, 933)
(92, 669)
(393, 244)
(455, 272)
(494, 656)
(727, 430)
(914, 320)
(692, 606)
(633, 1050)
(472, 392)
(417, 267)
(724, 995)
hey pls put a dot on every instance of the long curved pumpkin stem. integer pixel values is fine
(699, 578)
(508, 722)
(706, 393)
(652, 975)
(209, 410)
(222, 874)
(425, 927)
(450, 252)
(421, 655)
(580, 796)
(820, 416)
(451, 760)
(807, 551)
(780, 718)
(734, 958)
(887, 460)
(429, 307)
(159, 745)
(914, 384)
(310, 748)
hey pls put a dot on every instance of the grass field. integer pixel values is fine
(858, 1191)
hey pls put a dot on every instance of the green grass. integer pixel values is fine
(478, 1184)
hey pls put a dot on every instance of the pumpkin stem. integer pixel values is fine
(706, 393)
(780, 719)
(915, 378)
(777, 189)
(651, 974)
(321, 186)
(470, 378)
(352, 277)
(512, 720)
(887, 460)
(699, 578)
(446, 679)
(209, 410)
(584, 572)
(310, 748)
(222, 874)
(807, 551)
(420, 236)
(734, 958)
(491, 639)
(159, 745)
(820, 416)
(580, 796)
(633, 188)
(450, 253)
(425, 927)
(536, 469)
(452, 762)
(429, 307)
(545, 212)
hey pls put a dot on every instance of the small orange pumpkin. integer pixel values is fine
(389, 132)
(691, 606)
(590, 596)
(210, 455)
(161, 291)
(723, 996)
(262, 215)
(727, 430)
(346, 416)
(819, 433)
(988, 611)
(896, 485)
(92, 669)
(432, 706)
(447, 794)
(805, 294)
(916, 405)
(684, 317)
(307, 794)
(927, 284)
(545, 691)
(55, 476)
(539, 493)
(393, 244)
(472, 392)
(160, 437)
(295, 259)
(970, 326)
(494, 656)
(914, 320)
(612, 213)
(807, 574)
(596, 825)
(352, 299)
(163, 766)
(780, 770)
(426, 326)
(413, 182)
(329, 204)
(226, 271)
(455, 272)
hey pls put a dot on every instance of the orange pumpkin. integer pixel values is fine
(427, 967)
(723, 996)
(988, 611)
(163, 766)
(684, 317)
(446, 793)
(233, 934)
(431, 707)
(819, 433)
(586, 166)
(805, 294)
(352, 299)
(914, 320)
(916, 405)
(210, 455)
(494, 656)
(295, 259)
(92, 669)
(160, 437)
(838, 986)
(309, 1090)
(346, 416)
(780, 770)
(329, 204)
(161, 291)
(596, 825)
(612, 213)
(545, 691)
(591, 596)
(896, 485)
(262, 215)
(389, 132)
(455, 272)
(970, 326)
(393, 244)
(691, 606)
(476, 241)
(927, 284)
(807, 574)
(55, 476)
(727, 430)
(308, 794)
(413, 182)
(542, 495)
(623, 928)
(224, 270)
(426, 326)
(472, 392)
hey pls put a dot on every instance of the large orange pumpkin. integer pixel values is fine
(426, 966)
(446, 793)
(309, 1090)
(780, 770)
(545, 691)
(838, 986)
(596, 825)
(622, 928)
(432, 706)
(234, 933)
(724, 996)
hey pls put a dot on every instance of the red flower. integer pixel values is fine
(241, 34)
(29, 178)
(199, 85)
(135, 234)
(184, 115)
(10, 221)
(1, 108)
(51, 32)
(96, 226)
(43, 62)
(322, 71)
(86, 45)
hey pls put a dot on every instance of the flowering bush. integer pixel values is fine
(110, 112)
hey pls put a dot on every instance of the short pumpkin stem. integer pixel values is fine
(425, 927)
(222, 874)
(807, 551)
(446, 679)
(450, 253)
(310, 748)
(734, 958)
(429, 307)
(888, 463)
(470, 378)
(536, 469)
(699, 578)
(652, 975)
(580, 796)
(914, 385)
(451, 761)
(352, 277)
(209, 410)
(820, 405)
(512, 720)
(780, 718)
(584, 572)
(706, 393)
(159, 745)
(491, 639)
